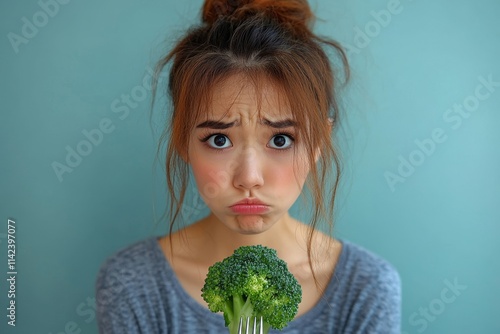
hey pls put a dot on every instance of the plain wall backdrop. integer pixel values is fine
(419, 135)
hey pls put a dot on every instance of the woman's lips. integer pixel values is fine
(249, 206)
(249, 209)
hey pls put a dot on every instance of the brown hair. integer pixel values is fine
(272, 38)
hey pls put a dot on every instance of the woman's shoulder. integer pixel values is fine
(129, 265)
(131, 255)
(367, 289)
(360, 261)
(362, 273)
(134, 290)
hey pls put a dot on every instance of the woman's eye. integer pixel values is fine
(281, 141)
(219, 141)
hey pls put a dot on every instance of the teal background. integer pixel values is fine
(441, 224)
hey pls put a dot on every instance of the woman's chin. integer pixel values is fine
(251, 224)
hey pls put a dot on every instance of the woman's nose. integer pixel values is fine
(248, 170)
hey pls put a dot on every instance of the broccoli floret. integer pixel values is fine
(253, 281)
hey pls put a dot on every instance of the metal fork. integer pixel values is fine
(247, 325)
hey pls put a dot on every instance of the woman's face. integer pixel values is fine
(239, 155)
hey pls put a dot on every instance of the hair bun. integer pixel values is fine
(295, 14)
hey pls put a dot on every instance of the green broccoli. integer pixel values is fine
(253, 281)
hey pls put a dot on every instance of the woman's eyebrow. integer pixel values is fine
(215, 125)
(218, 125)
(286, 123)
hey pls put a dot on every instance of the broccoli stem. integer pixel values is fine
(241, 308)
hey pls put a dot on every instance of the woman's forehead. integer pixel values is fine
(239, 96)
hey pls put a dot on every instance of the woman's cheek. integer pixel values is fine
(291, 165)
(286, 180)
(211, 178)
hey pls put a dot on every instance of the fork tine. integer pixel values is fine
(240, 325)
(248, 326)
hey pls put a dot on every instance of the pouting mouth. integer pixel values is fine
(250, 201)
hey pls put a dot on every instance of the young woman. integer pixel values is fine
(254, 108)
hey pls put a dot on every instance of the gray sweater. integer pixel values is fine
(137, 292)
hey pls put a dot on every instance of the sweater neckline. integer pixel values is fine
(217, 319)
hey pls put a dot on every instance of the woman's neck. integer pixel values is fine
(209, 241)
